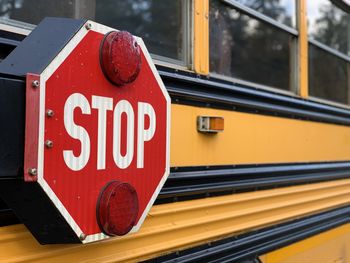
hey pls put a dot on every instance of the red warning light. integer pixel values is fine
(117, 208)
(120, 57)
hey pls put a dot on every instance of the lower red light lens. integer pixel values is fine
(120, 57)
(117, 208)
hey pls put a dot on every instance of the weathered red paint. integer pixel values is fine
(31, 128)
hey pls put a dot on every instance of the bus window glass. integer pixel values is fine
(329, 25)
(33, 11)
(160, 23)
(282, 11)
(247, 49)
(328, 76)
(329, 50)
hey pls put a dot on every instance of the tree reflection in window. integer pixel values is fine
(159, 22)
(329, 25)
(33, 11)
(6, 6)
(329, 76)
(329, 73)
(247, 49)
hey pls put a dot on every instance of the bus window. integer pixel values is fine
(249, 46)
(163, 25)
(329, 51)
(328, 76)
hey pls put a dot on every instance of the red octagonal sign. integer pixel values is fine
(102, 145)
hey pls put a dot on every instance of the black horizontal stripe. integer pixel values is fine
(195, 182)
(252, 244)
(205, 91)
(7, 217)
(16, 37)
(186, 183)
(8, 42)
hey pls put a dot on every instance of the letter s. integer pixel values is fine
(75, 100)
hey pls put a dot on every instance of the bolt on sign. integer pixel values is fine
(96, 133)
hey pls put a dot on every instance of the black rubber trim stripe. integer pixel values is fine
(7, 217)
(6, 47)
(9, 42)
(196, 182)
(255, 243)
(189, 88)
(187, 183)
(12, 36)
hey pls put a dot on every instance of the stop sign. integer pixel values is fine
(100, 150)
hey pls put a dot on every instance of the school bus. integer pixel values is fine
(270, 182)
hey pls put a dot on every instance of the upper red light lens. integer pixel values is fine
(120, 57)
(117, 208)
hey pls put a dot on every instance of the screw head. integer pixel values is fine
(88, 26)
(82, 236)
(35, 83)
(32, 171)
(49, 144)
(50, 113)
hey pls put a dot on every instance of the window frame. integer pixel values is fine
(187, 41)
(333, 52)
(328, 49)
(251, 12)
(294, 88)
(15, 26)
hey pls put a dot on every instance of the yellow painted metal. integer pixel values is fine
(201, 37)
(252, 138)
(170, 227)
(329, 247)
(303, 49)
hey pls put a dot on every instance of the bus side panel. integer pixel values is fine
(331, 246)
